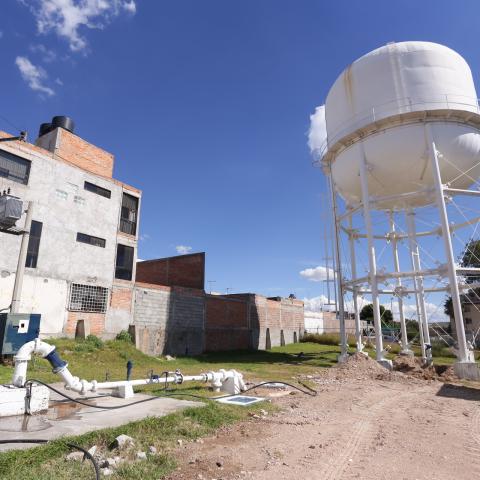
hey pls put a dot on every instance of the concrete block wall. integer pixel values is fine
(169, 320)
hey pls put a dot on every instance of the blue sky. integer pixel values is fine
(206, 104)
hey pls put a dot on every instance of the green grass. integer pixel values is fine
(48, 462)
(87, 361)
(96, 360)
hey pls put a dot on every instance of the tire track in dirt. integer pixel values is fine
(473, 446)
(362, 432)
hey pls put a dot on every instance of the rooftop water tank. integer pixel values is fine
(377, 108)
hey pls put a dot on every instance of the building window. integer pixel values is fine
(33, 244)
(468, 321)
(90, 240)
(124, 263)
(14, 168)
(88, 298)
(91, 187)
(128, 216)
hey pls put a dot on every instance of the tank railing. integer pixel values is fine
(396, 107)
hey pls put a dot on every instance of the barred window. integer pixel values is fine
(14, 168)
(87, 298)
(128, 215)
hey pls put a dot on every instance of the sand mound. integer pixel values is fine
(360, 367)
(413, 367)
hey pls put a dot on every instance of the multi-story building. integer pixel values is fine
(82, 249)
(471, 317)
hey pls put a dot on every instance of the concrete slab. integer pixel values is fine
(65, 418)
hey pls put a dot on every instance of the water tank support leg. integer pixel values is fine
(465, 355)
(353, 260)
(372, 262)
(419, 287)
(396, 263)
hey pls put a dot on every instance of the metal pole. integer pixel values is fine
(22, 258)
(327, 263)
(353, 260)
(341, 308)
(464, 354)
(419, 288)
(403, 327)
(372, 262)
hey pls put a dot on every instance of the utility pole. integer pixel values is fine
(22, 258)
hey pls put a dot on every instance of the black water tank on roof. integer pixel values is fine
(63, 122)
(44, 128)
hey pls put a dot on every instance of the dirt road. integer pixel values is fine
(363, 424)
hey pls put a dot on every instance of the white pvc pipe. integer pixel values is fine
(24, 354)
(217, 379)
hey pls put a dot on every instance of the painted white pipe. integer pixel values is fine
(24, 355)
(227, 380)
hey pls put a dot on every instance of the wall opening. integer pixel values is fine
(282, 338)
(268, 343)
(295, 340)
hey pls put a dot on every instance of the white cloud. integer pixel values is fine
(67, 17)
(317, 134)
(47, 55)
(183, 249)
(33, 75)
(317, 274)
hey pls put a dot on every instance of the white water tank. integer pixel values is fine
(378, 108)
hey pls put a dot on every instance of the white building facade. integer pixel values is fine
(82, 250)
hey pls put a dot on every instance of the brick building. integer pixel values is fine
(174, 315)
(82, 249)
(82, 271)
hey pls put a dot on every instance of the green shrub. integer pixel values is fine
(440, 349)
(94, 341)
(124, 336)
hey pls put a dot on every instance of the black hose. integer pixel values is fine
(309, 391)
(86, 453)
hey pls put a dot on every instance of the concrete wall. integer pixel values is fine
(181, 271)
(179, 321)
(64, 207)
(169, 320)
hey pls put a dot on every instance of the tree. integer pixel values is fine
(367, 314)
(470, 258)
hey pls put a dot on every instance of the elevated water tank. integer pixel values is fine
(377, 108)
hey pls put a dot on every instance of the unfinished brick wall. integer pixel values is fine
(276, 322)
(121, 298)
(181, 271)
(73, 149)
(226, 324)
(94, 323)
